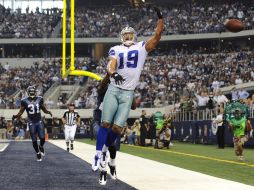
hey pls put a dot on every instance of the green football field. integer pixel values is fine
(201, 158)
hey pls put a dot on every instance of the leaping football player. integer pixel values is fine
(33, 104)
(100, 132)
(126, 62)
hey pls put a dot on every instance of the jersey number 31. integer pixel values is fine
(132, 59)
(34, 108)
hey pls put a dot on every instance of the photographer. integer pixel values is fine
(164, 135)
(211, 105)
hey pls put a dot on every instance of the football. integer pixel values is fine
(234, 25)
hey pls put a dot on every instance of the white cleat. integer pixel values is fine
(103, 178)
(39, 157)
(240, 158)
(95, 165)
(42, 151)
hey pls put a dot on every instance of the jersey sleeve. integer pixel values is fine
(64, 115)
(142, 47)
(112, 53)
(41, 102)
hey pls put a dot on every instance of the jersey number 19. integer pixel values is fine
(132, 59)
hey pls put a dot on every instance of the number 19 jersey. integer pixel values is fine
(33, 107)
(130, 63)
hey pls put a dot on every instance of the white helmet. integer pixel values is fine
(131, 41)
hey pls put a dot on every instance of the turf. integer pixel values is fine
(232, 171)
(59, 170)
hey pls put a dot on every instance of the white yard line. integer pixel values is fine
(5, 146)
(151, 175)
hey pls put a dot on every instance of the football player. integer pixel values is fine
(101, 133)
(33, 104)
(125, 64)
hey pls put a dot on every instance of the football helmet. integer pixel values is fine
(128, 36)
(31, 91)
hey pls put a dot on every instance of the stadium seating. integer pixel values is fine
(184, 19)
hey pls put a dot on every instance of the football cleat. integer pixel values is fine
(95, 165)
(68, 149)
(240, 158)
(103, 178)
(112, 172)
(72, 147)
(39, 157)
(42, 150)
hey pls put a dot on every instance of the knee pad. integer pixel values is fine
(116, 129)
(112, 152)
(106, 125)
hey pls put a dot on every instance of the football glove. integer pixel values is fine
(49, 112)
(118, 78)
(158, 11)
(14, 117)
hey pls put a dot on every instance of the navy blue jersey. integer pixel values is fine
(33, 108)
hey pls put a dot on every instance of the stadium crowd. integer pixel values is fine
(42, 75)
(165, 80)
(14, 24)
(173, 78)
(192, 18)
(198, 17)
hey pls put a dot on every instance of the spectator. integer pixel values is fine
(243, 94)
(221, 99)
(3, 128)
(219, 121)
(238, 80)
(201, 101)
(136, 132)
(10, 129)
(234, 94)
(143, 128)
(7, 66)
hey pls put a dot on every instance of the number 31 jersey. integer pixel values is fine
(130, 63)
(33, 107)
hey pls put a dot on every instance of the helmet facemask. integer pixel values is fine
(31, 92)
(128, 36)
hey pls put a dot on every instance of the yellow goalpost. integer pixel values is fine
(72, 71)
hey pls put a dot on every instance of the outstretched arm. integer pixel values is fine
(44, 109)
(154, 40)
(21, 111)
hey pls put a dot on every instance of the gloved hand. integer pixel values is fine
(158, 11)
(50, 113)
(14, 117)
(118, 78)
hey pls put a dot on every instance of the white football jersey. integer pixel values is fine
(130, 63)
